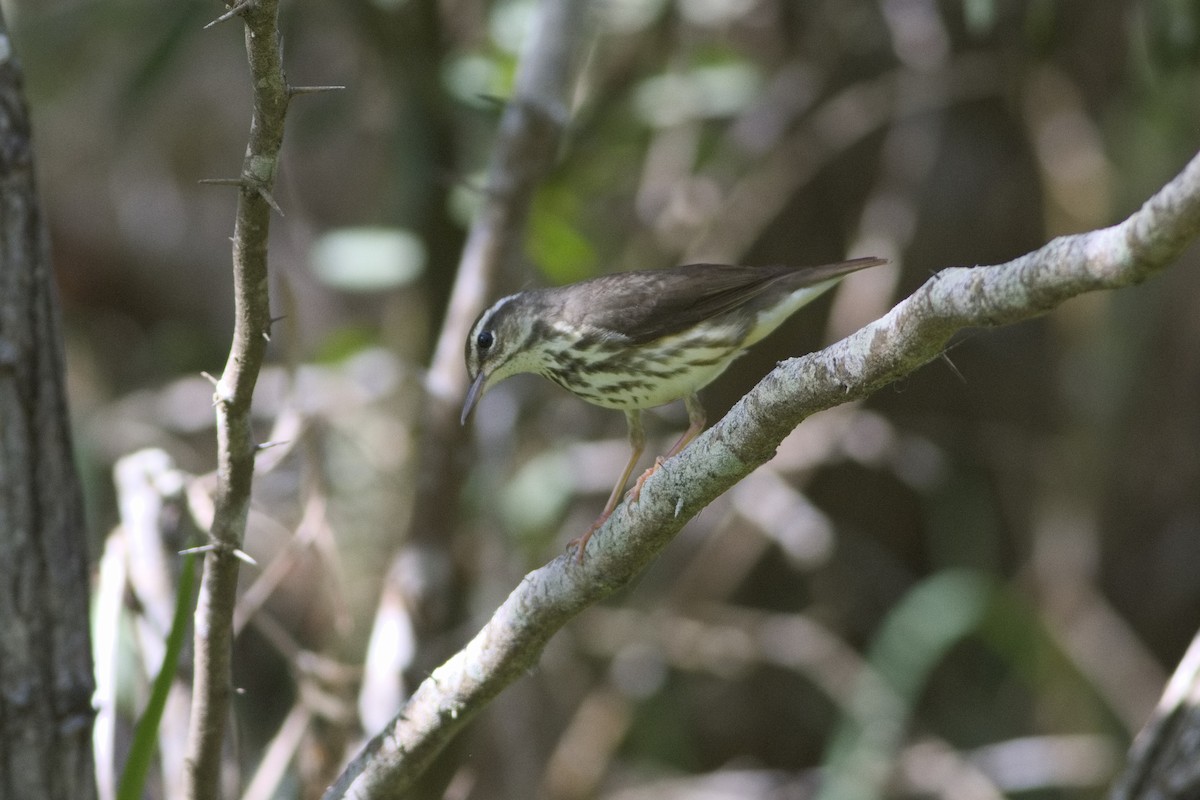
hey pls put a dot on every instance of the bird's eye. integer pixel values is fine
(484, 340)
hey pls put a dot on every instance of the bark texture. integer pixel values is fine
(45, 656)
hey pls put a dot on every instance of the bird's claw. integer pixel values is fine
(632, 496)
(580, 542)
(636, 492)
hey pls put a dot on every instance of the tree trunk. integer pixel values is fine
(45, 656)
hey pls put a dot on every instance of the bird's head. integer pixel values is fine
(502, 343)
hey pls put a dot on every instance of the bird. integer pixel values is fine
(634, 340)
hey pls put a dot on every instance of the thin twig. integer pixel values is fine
(912, 334)
(232, 398)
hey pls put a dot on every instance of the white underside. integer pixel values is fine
(668, 389)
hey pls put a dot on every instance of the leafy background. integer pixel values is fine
(1008, 538)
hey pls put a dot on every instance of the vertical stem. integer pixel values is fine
(234, 391)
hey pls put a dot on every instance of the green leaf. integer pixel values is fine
(561, 252)
(915, 637)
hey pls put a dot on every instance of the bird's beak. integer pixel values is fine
(478, 387)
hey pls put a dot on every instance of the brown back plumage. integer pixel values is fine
(649, 304)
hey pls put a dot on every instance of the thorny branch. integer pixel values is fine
(232, 396)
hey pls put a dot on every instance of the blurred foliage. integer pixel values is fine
(1056, 460)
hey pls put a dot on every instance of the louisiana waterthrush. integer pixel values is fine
(635, 340)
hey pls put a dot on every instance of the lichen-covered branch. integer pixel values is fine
(910, 335)
(234, 390)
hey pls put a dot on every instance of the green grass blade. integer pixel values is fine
(145, 735)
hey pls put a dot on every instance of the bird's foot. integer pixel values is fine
(580, 542)
(636, 492)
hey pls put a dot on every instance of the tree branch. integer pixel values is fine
(910, 335)
(234, 390)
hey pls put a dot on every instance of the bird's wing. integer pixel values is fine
(647, 305)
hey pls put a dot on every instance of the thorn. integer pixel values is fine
(678, 507)
(213, 547)
(233, 11)
(244, 556)
(209, 377)
(295, 90)
(266, 196)
(269, 445)
(270, 325)
(245, 185)
(954, 369)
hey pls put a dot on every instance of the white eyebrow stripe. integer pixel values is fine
(496, 306)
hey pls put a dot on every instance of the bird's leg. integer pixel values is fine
(637, 444)
(697, 418)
